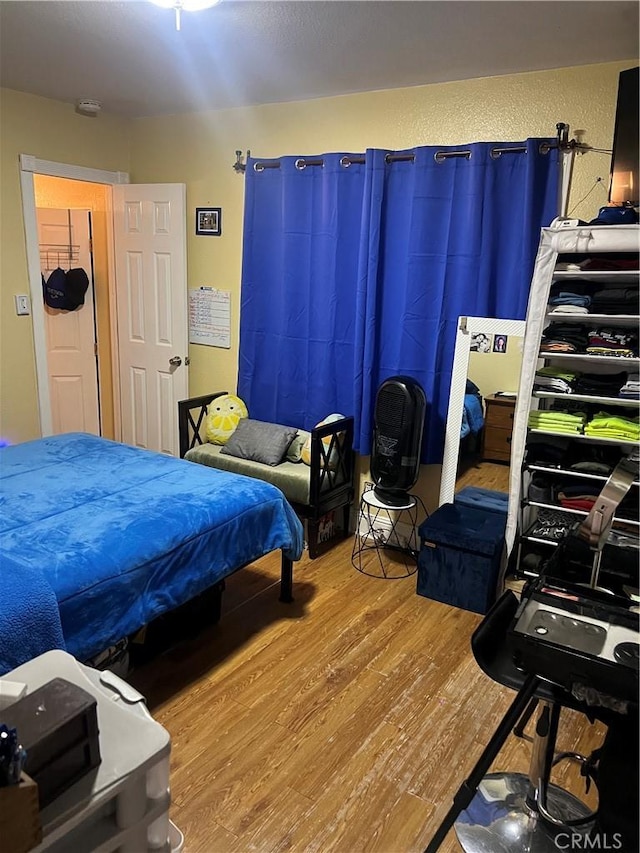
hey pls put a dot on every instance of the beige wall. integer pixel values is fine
(62, 193)
(199, 149)
(48, 130)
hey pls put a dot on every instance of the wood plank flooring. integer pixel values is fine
(342, 722)
(487, 475)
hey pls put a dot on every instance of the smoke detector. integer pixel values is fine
(88, 107)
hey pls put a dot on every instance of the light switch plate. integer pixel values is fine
(22, 304)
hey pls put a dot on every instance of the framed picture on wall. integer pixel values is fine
(480, 342)
(499, 343)
(209, 221)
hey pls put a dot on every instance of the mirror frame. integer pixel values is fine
(467, 327)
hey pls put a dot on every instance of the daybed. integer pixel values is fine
(98, 538)
(312, 490)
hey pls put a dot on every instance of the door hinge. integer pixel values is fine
(91, 245)
(95, 349)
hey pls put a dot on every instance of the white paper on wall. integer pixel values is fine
(210, 317)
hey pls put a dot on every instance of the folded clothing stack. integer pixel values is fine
(621, 262)
(615, 300)
(569, 492)
(607, 425)
(571, 297)
(600, 384)
(551, 451)
(605, 340)
(547, 451)
(554, 421)
(631, 388)
(564, 337)
(554, 379)
(579, 494)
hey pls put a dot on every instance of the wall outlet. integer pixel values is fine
(22, 304)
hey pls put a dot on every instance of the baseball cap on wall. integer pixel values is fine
(54, 289)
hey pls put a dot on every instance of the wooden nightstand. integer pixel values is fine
(498, 424)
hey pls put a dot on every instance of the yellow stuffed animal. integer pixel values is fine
(224, 414)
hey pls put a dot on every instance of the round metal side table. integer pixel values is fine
(386, 540)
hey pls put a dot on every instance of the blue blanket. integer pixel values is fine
(29, 616)
(122, 535)
(472, 416)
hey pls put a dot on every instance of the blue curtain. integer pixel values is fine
(353, 274)
(299, 275)
(448, 236)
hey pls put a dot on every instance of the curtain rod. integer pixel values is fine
(359, 159)
(563, 144)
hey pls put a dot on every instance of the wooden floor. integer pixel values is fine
(343, 722)
(487, 475)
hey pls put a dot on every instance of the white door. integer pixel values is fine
(64, 237)
(151, 296)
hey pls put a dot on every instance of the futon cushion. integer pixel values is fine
(290, 477)
(260, 441)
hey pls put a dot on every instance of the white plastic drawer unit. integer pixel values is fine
(124, 803)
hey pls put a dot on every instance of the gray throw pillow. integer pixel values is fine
(259, 441)
(294, 453)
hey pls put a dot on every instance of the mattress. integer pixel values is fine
(122, 535)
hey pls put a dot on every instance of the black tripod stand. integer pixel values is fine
(468, 789)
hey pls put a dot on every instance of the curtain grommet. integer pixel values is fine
(441, 156)
(301, 163)
(345, 161)
(258, 167)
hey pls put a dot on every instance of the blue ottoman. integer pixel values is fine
(460, 554)
(485, 499)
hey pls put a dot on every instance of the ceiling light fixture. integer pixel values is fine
(185, 6)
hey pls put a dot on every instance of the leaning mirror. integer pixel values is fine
(485, 377)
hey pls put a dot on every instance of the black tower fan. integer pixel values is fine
(397, 439)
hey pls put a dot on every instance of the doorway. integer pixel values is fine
(48, 184)
(141, 301)
(71, 217)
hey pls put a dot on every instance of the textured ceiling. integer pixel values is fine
(129, 56)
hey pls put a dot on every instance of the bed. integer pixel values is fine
(99, 538)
